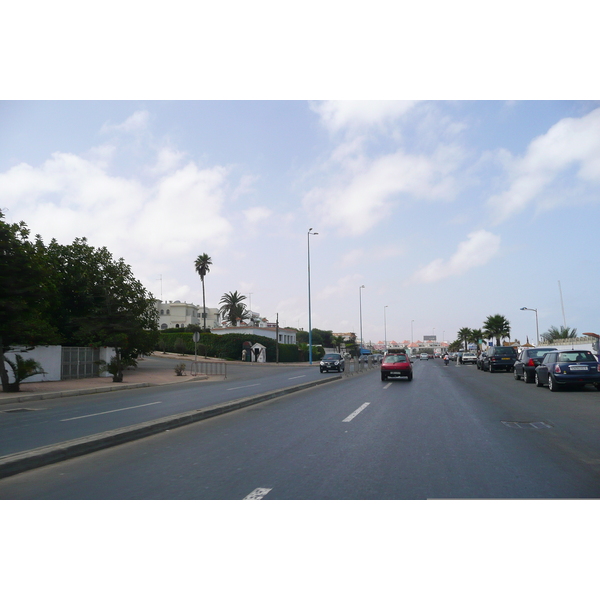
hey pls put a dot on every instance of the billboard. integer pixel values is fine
(429, 338)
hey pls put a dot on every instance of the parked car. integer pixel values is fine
(424, 356)
(468, 358)
(480, 358)
(499, 358)
(527, 361)
(332, 362)
(396, 365)
(560, 368)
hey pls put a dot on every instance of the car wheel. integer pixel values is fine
(490, 369)
(537, 380)
(410, 376)
(597, 386)
(516, 375)
(552, 385)
(526, 377)
(383, 377)
(321, 370)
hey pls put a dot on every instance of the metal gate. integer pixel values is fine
(78, 363)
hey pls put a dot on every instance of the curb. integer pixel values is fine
(13, 464)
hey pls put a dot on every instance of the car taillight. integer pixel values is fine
(557, 369)
(531, 363)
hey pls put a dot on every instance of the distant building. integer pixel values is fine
(178, 315)
(269, 330)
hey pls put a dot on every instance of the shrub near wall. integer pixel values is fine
(227, 346)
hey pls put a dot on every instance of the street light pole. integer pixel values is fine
(360, 315)
(309, 315)
(537, 329)
(384, 331)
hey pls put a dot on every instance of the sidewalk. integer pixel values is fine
(149, 372)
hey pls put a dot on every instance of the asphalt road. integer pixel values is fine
(59, 420)
(453, 432)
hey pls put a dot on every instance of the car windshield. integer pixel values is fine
(332, 357)
(538, 353)
(576, 356)
(396, 358)
(505, 350)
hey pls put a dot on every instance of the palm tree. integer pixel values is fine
(203, 264)
(496, 326)
(558, 333)
(464, 335)
(233, 307)
(476, 335)
(337, 341)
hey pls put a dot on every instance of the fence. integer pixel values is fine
(209, 368)
(79, 363)
(355, 365)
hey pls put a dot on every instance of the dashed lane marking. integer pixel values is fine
(258, 494)
(385, 387)
(243, 386)
(109, 411)
(356, 412)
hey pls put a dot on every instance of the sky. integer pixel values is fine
(445, 211)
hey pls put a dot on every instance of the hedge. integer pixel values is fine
(228, 346)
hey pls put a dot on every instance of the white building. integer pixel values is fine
(180, 314)
(286, 336)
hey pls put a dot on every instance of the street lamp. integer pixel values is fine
(537, 329)
(360, 314)
(384, 330)
(309, 315)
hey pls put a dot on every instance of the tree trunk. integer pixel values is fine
(203, 304)
(6, 386)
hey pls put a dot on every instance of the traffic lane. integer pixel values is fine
(357, 439)
(214, 462)
(573, 414)
(87, 415)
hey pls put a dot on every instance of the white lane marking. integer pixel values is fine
(243, 386)
(385, 387)
(109, 411)
(258, 494)
(297, 377)
(357, 411)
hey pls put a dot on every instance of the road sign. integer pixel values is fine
(196, 337)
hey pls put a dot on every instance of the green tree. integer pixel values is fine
(558, 333)
(464, 335)
(233, 307)
(202, 265)
(497, 327)
(97, 301)
(23, 293)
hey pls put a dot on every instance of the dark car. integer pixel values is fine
(527, 361)
(480, 358)
(560, 368)
(396, 365)
(499, 358)
(332, 362)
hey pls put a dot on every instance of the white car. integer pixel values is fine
(424, 356)
(468, 357)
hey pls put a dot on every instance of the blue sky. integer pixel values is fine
(446, 211)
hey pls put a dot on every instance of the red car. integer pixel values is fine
(396, 365)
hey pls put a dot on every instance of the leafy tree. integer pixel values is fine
(464, 335)
(202, 265)
(233, 307)
(558, 333)
(23, 293)
(496, 326)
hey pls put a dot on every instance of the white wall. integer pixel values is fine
(50, 357)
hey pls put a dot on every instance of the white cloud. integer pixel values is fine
(257, 214)
(480, 247)
(138, 120)
(352, 114)
(571, 142)
(362, 196)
